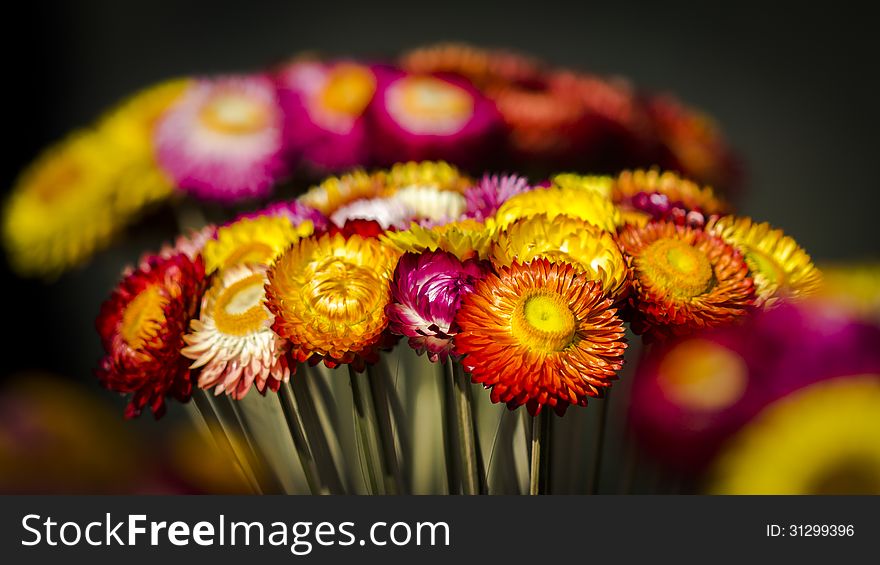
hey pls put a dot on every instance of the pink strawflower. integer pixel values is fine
(324, 105)
(432, 117)
(224, 139)
(484, 199)
(426, 292)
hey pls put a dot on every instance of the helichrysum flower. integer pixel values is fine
(484, 198)
(335, 192)
(555, 201)
(541, 334)
(61, 209)
(224, 139)
(232, 342)
(466, 239)
(567, 240)
(328, 295)
(325, 106)
(823, 439)
(684, 279)
(142, 326)
(425, 192)
(689, 396)
(426, 293)
(419, 117)
(780, 267)
(649, 195)
(257, 240)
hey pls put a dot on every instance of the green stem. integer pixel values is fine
(368, 433)
(539, 473)
(450, 432)
(462, 407)
(315, 433)
(387, 439)
(293, 416)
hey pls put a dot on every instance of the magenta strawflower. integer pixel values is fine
(484, 199)
(224, 140)
(427, 117)
(426, 293)
(325, 104)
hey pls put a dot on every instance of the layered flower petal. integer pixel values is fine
(684, 279)
(328, 295)
(541, 334)
(426, 293)
(232, 342)
(142, 326)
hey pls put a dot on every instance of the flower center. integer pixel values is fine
(676, 267)
(250, 252)
(543, 320)
(348, 90)
(56, 179)
(342, 291)
(428, 105)
(851, 475)
(143, 317)
(239, 308)
(702, 375)
(234, 114)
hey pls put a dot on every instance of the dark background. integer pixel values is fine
(794, 88)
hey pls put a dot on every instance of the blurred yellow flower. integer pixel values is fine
(129, 128)
(824, 439)
(60, 210)
(855, 287)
